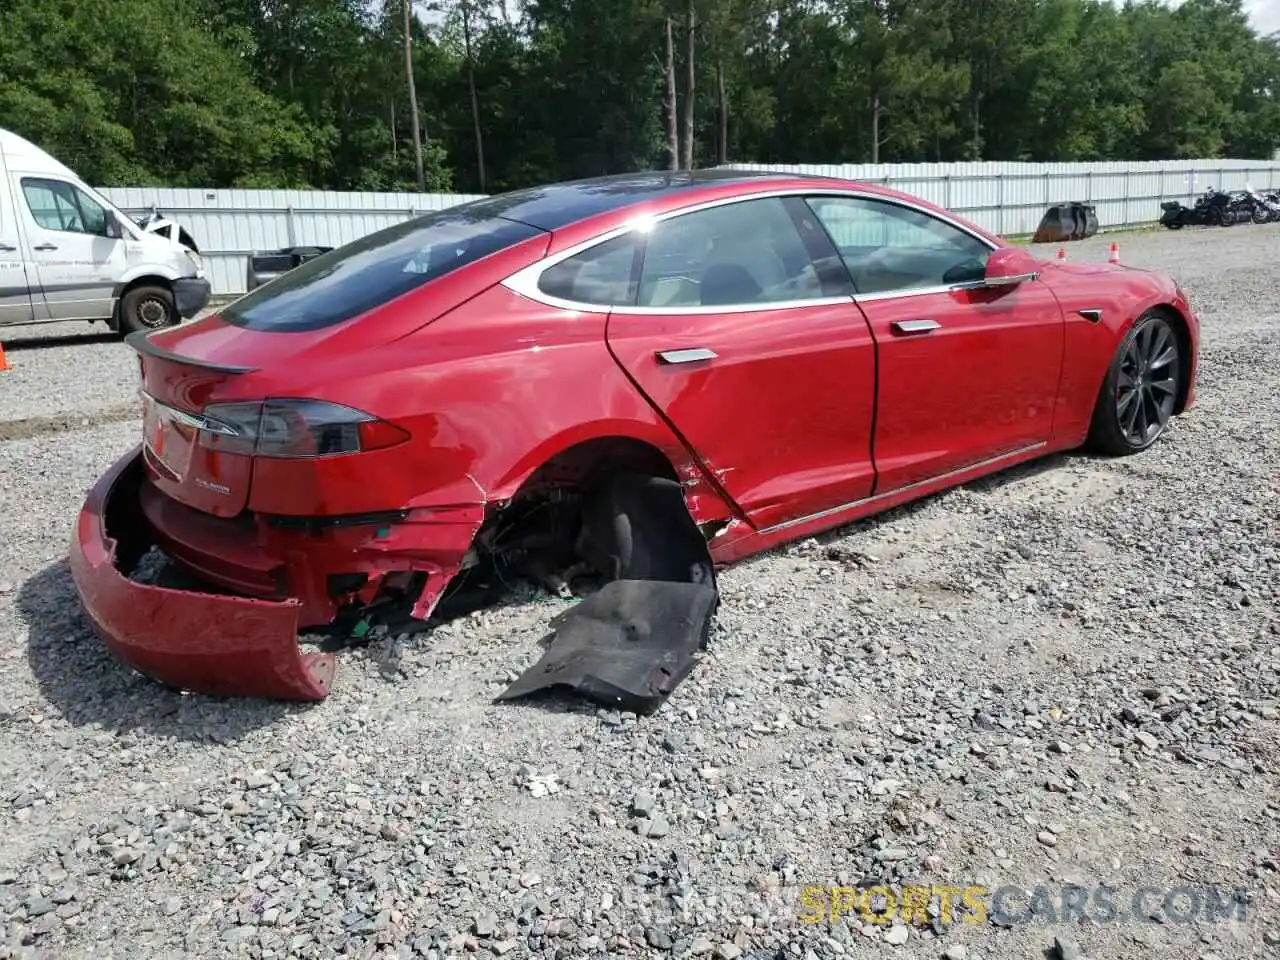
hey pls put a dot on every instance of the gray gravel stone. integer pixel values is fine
(1084, 650)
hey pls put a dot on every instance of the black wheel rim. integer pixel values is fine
(1147, 386)
(153, 312)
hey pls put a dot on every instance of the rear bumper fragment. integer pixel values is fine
(201, 642)
(191, 295)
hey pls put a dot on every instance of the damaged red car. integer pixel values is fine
(639, 378)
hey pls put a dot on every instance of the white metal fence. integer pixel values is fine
(1010, 198)
(1007, 198)
(228, 225)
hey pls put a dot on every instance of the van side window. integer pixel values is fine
(56, 205)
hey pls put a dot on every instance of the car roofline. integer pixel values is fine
(585, 234)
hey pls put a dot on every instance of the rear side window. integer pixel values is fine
(352, 279)
(605, 275)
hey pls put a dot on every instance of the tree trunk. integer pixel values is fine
(689, 92)
(413, 94)
(875, 128)
(975, 100)
(723, 152)
(471, 82)
(673, 125)
(395, 148)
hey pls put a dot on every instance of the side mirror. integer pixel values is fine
(113, 228)
(1010, 265)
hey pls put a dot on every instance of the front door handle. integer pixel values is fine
(915, 326)
(46, 246)
(5, 248)
(691, 355)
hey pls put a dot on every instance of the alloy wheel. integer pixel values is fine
(1147, 385)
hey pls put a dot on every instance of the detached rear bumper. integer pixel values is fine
(201, 642)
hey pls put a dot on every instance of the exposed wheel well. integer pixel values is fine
(1184, 352)
(585, 463)
(536, 531)
(122, 289)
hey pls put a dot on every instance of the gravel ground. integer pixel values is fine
(63, 374)
(1063, 675)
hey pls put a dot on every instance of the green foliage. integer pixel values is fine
(294, 93)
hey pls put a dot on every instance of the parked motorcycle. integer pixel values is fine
(1259, 212)
(1218, 208)
(1266, 205)
(1177, 215)
(1239, 208)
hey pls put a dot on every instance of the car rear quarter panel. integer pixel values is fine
(490, 392)
(1123, 295)
(213, 340)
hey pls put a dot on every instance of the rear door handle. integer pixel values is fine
(915, 326)
(46, 246)
(691, 355)
(6, 248)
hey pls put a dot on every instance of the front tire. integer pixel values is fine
(147, 308)
(1140, 389)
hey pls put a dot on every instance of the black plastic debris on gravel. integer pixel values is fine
(630, 644)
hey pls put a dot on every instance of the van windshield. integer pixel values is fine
(359, 276)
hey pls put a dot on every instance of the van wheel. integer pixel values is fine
(147, 308)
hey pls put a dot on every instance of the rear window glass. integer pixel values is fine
(352, 279)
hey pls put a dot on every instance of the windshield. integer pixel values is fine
(355, 278)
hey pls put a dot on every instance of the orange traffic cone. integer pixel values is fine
(4, 364)
(1114, 255)
(1062, 253)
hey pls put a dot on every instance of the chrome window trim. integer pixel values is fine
(729, 308)
(525, 281)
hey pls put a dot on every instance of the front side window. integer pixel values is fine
(737, 254)
(94, 213)
(889, 247)
(604, 275)
(355, 278)
(58, 205)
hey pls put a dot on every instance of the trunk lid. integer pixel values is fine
(174, 394)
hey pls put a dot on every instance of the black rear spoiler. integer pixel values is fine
(140, 340)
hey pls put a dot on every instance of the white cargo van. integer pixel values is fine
(67, 254)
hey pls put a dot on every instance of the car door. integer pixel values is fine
(967, 374)
(15, 290)
(742, 333)
(76, 262)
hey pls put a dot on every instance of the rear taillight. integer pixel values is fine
(294, 428)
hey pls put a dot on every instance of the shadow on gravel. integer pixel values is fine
(79, 676)
(1026, 471)
(64, 340)
(984, 485)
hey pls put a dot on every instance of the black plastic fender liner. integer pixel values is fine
(630, 644)
(638, 528)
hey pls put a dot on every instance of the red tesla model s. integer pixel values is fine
(787, 353)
